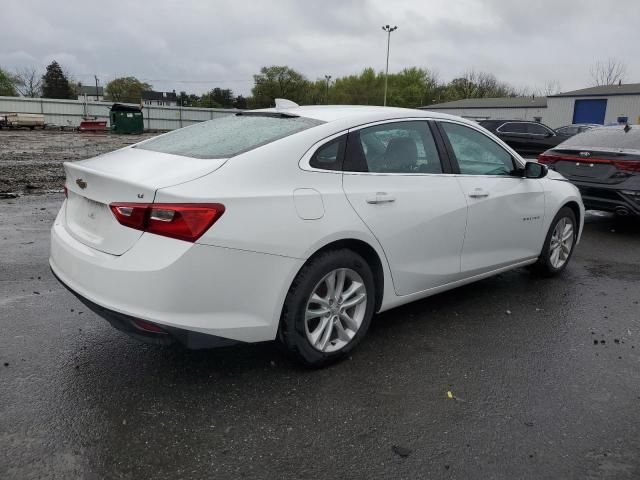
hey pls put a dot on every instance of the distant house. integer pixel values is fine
(163, 99)
(90, 91)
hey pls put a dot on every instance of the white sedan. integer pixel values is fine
(299, 223)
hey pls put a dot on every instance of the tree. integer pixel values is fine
(412, 87)
(240, 102)
(126, 89)
(7, 84)
(278, 82)
(364, 89)
(608, 72)
(29, 82)
(218, 98)
(474, 84)
(55, 83)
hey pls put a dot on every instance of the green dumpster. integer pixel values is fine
(126, 119)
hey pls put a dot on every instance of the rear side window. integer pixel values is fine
(228, 136)
(606, 137)
(330, 155)
(476, 153)
(397, 147)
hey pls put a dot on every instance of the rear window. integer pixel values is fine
(615, 138)
(229, 135)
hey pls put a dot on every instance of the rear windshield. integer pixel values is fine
(227, 136)
(615, 138)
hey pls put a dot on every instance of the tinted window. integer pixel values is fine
(490, 124)
(399, 147)
(476, 153)
(329, 156)
(228, 136)
(536, 129)
(567, 131)
(513, 127)
(606, 137)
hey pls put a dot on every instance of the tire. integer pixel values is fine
(554, 260)
(334, 335)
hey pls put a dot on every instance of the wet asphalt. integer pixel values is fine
(544, 376)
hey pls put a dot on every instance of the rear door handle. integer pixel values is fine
(478, 193)
(381, 197)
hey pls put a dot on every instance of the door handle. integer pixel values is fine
(381, 197)
(478, 193)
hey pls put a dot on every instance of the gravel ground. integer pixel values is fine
(31, 161)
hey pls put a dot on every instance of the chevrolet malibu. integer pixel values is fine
(298, 224)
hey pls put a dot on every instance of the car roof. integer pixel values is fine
(331, 113)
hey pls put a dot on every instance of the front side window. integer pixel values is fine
(476, 153)
(536, 129)
(513, 127)
(398, 147)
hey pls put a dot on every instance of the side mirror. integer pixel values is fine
(535, 170)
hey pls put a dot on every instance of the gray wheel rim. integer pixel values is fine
(561, 242)
(335, 310)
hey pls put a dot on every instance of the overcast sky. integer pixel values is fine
(198, 45)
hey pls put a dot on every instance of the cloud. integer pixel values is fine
(198, 45)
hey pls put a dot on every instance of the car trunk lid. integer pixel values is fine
(127, 175)
(593, 165)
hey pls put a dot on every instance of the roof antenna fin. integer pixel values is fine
(283, 103)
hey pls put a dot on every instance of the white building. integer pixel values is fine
(607, 104)
(92, 93)
(162, 99)
(512, 108)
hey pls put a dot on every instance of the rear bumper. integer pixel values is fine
(129, 325)
(608, 198)
(223, 292)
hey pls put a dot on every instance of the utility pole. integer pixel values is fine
(328, 79)
(97, 91)
(387, 29)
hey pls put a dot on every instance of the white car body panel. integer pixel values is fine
(421, 231)
(279, 212)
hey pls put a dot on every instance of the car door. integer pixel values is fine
(395, 180)
(506, 210)
(542, 138)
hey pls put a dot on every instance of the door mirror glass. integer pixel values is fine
(535, 170)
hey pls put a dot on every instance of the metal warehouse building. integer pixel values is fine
(518, 108)
(608, 104)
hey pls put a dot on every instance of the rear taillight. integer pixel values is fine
(184, 221)
(547, 158)
(66, 192)
(628, 166)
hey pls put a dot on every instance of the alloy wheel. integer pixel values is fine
(562, 240)
(335, 310)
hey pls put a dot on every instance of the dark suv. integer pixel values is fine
(523, 136)
(604, 163)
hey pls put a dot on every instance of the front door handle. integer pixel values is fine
(381, 197)
(478, 193)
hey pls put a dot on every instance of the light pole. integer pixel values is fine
(387, 29)
(328, 79)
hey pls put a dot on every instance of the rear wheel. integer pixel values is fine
(328, 308)
(559, 243)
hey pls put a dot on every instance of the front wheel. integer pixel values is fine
(559, 243)
(328, 308)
